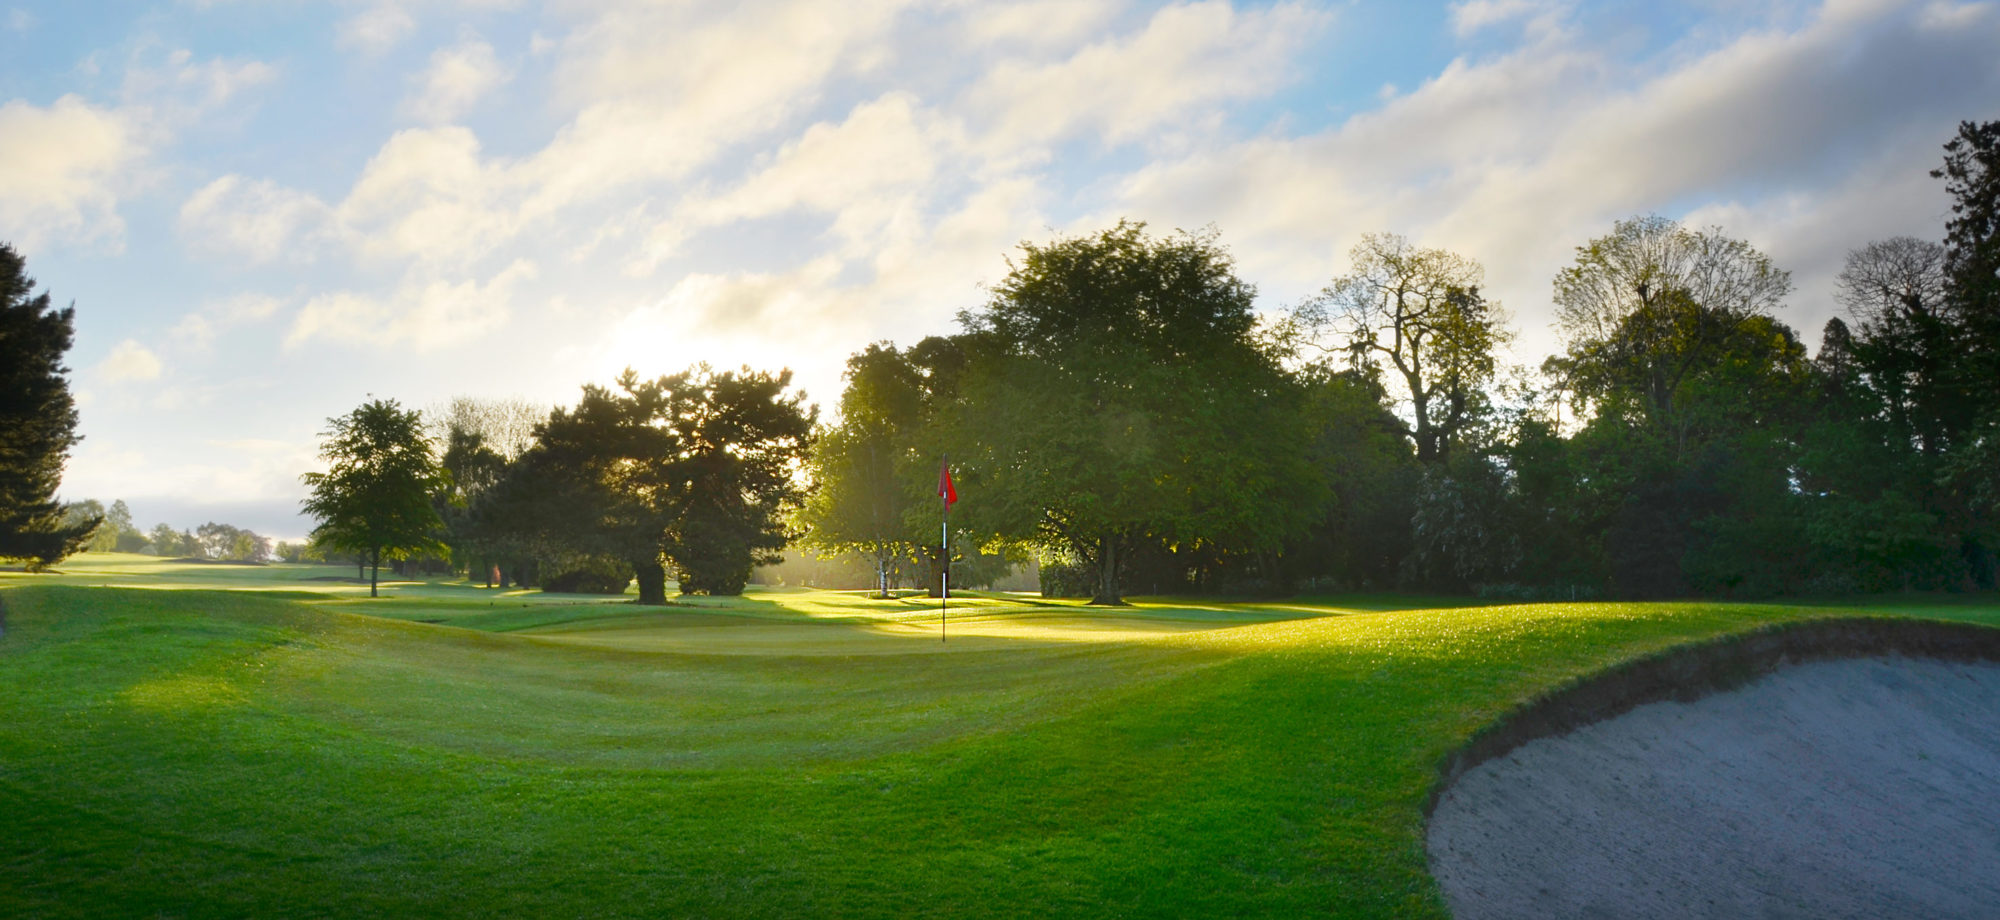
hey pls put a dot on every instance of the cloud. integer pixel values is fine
(1473, 16)
(377, 29)
(1038, 24)
(456, 79)
(1188, 58)
(197, 330)
(257, 219)
(187, 87)
(129, 360)
(424, 315)
(62, 169)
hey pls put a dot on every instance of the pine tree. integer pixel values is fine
(37, 420)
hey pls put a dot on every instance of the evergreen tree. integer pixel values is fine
(37, 420)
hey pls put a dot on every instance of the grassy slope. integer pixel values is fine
(270, 752)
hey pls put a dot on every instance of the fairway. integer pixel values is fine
(208, 740)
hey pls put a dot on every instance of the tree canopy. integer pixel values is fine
(375, 498)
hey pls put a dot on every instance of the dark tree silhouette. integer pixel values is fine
(37, 420)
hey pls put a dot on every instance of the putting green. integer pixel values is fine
(257, 742)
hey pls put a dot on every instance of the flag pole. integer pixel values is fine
(944, 551)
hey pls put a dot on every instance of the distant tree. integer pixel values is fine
(1117, 396)
(1418, 315)
(166, 541)
(1650, 305)
(861, 467)
(102, 537)
(37, 420)
(127, 538)
(1904, 342)
(376, 497)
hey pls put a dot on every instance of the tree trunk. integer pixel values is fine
(1107, 574)
(375, 573)
(652, 577)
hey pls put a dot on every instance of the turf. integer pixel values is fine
(263, 742)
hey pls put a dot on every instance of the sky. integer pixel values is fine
(266, 213)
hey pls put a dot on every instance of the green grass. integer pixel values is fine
(258, 743)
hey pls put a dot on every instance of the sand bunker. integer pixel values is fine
(1863, 788)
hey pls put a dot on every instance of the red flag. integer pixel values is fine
(949, 494)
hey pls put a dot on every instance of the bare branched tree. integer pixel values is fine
(1415, 315)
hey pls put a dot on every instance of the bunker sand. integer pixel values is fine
(1859, 788)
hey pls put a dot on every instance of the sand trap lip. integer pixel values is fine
(1792, 779)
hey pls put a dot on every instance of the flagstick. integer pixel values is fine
(944, 569)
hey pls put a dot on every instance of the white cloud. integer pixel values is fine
(1472, 16)
(197, 330)
(873, 170)
(186, 86)
(258, 219)
(62, 166)
(455, 80)
(377, 29)
(129, 360)
(1038, 24)
(424, 315)
(1190, 57)
(20, 20)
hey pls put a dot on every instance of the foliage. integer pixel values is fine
(1116, 395)
(863, 468)
(1417, 315)
(693, 469)
(376, 496)
(37, 420)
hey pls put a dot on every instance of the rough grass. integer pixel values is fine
(256, 743)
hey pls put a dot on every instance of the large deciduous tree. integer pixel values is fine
(1117, 396)
(691, 470)
(1417, 314)
(37, 420)
(376, 497)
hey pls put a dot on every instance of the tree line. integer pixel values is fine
(111, 530)
(1116, 410)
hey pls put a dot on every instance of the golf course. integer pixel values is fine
(196, 740)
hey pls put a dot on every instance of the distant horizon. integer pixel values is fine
(266, 215)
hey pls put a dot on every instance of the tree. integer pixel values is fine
(860, 469)
(375, 499)
(166, 541)
(743, 437)
(127, 538)
(37, 420)
(692, 469)
(89, 512)
(1116, 395)
(1417, 314)
(1904, 343)
(1652, 303)
(1971, 172)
